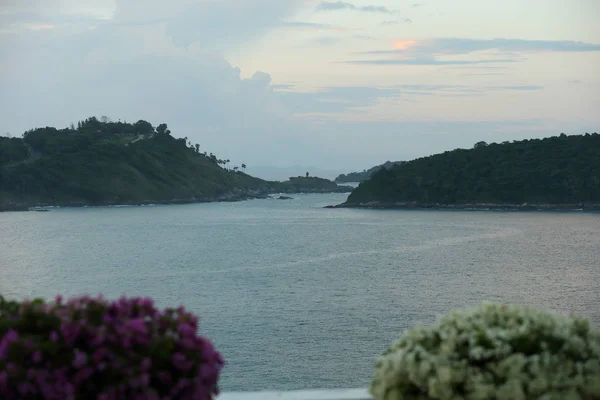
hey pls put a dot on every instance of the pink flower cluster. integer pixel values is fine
(90, 348)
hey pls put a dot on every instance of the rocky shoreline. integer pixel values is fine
(470, 206)
(235, 196)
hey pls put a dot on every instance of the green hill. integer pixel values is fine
(101, 163)
(563, 170)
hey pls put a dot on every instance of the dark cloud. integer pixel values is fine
(340, 5)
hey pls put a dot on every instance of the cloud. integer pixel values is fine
(283, 86)
(455, 46)
(428, 61)
(327, 41)
(484, 74)
(351, 99)
(396, 22)
(524, 87)
(309, 25)
(163, 62)
(96, 9)
(576, 82)
(127, 69)
(221, 24)
(340, 5)
(417, 5)
(481, 67)
(363, 37)
(433, 51)
(334, 99)
(335, 40)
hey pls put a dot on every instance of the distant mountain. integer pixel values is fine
(365, 174)
(101, 163)
(561, 170)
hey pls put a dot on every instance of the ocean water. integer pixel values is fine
(297, 296)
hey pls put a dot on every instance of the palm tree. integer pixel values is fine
(244, 167)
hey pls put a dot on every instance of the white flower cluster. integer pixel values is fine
(493, 352)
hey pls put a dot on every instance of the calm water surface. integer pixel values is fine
(297, 296)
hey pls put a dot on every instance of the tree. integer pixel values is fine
(143, 127)
(480, 144)
(556, 170)
(235, 169)
(163, 130)
(307, 174)
(104, 119)
(244, 166)
(197, 148)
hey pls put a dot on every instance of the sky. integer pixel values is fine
(339, 85)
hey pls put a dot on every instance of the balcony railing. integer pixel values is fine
(329, 394)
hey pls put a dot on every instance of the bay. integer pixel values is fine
(296, 296)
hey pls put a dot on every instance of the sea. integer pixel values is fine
(296, 296)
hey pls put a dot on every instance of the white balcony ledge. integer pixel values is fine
(329, 394)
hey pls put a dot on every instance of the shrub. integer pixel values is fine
(494, 352)
(89, 348)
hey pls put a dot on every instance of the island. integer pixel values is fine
(100, 162)
(555, 173)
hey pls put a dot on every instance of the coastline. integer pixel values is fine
(227, 197)
(382, 205)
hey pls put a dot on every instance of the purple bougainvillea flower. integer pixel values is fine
(180, 362)
(121, 349)
(137, 325)
(186, 330)
(3, 380)
(9, 337)
(37, 357)
(80, 359)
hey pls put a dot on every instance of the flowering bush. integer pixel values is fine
(88, 348)
(494, 352)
